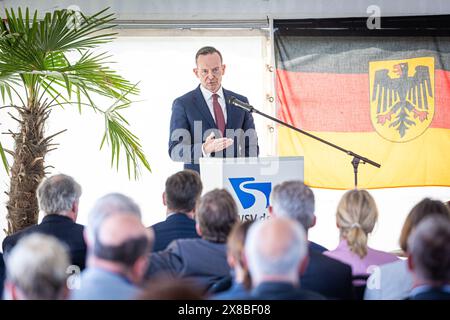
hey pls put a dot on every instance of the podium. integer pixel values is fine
(250, 180)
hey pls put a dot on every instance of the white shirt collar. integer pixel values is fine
(208, 94)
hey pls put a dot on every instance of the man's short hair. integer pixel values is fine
(183, 189)
(216, 215)
(107, 205)
(37, 265)
(57, 194)
(207, 50)
(429, 246)
(127, 253)
(295, 200)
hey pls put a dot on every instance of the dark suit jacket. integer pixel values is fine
(191, 108)
(316, 247)
(200, 260)
(176, 226)
(327, 276)
(431, 294)
(282, 291)
(61, 227)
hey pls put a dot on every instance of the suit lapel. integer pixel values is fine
(200, 104)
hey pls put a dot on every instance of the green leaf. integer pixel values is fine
(4, 160)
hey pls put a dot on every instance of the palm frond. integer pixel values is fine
(4, 160)
(52, 57)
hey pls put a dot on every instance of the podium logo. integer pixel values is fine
(247, 199)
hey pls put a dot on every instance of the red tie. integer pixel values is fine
(218, 114)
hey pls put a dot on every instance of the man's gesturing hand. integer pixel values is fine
(214, 145)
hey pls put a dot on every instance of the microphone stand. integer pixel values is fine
(357, 159)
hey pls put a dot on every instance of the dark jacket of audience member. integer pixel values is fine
(182, 191)
(176, 226)
(203, 260)
(58, 198)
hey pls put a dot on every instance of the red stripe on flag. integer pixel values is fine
(340, 102)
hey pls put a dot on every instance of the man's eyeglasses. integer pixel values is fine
(215, 72)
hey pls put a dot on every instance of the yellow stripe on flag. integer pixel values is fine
(424, 161)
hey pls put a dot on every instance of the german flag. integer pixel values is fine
(385, 98)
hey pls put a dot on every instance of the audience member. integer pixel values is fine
(239, 283)
(58, 198)
(36, 269)
(203, 260)
(327, 276)
(182, 192)
(168, 288)
(276, 250)
(118, 247)
(356, 217)
(393, 281)
(429, 259)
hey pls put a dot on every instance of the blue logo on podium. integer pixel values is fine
(248, 199)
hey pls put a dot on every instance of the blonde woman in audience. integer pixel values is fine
(393, 281)
(36, 269)
(356, 217)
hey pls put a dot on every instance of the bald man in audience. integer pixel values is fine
(118, 245)
(277, 251)
(327, 276)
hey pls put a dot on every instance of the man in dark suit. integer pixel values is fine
(203, 123)
(58, 197)
(183, 190)
(202, 260)
(329, 277)
(276, 250)
(429, 259)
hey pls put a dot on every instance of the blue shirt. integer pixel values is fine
(100, 284)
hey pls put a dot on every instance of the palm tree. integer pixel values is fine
(51, 62)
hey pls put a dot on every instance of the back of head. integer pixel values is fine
(122, 239)
(421, 210)
(112, 203)
(235, 248)
(57, 194)
(183, 189)
(275, 249)
(429, 247)
(168, 288)
(295, 200)
(356, 216)
(216, 215)
(37, 266)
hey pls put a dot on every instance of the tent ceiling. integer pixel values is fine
(224, 11)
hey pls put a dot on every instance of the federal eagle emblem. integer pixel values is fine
(402, 97)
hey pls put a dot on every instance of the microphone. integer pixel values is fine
(241, 104)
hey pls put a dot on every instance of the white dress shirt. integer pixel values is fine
(207, 95)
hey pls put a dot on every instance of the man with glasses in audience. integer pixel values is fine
(203, 123)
